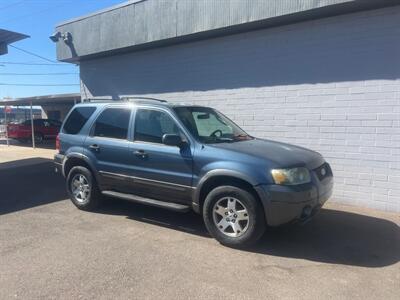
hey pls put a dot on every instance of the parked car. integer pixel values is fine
(183, 157)
(43, 128)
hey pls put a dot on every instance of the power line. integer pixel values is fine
(33, 13)
(39, 74)
(33, 84)
(35, 64)
(10, 5)
(34, 54)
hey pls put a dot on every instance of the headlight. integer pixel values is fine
(291, 176)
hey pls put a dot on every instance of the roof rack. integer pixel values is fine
(143, 98)
(124, 99)
(97, 100)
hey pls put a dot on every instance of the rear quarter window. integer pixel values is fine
(77, 119)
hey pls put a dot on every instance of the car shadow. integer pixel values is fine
(189, 222)
(333, 236)
(28, 183)
(336, 237)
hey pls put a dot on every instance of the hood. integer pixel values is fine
(280, 155)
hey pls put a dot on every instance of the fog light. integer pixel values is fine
(306, 212)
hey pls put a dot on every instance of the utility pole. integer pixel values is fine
(32, 128)
(5, 122)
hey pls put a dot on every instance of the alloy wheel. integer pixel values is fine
(230, 216)
(80, 188)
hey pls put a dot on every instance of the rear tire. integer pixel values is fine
(39, 138)
(234, 216)
(82, 189)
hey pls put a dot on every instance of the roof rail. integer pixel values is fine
(123, 99)
(97, 100)
(143, 98)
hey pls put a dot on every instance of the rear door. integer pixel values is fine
(160, 171)
(108, 147)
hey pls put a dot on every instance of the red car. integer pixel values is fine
(44, 129)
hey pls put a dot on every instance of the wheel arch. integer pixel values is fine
(74, 160)
(215, 179)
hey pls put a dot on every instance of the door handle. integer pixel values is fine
(140, 153)
(94, 147)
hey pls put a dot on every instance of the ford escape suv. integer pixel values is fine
(183, 157)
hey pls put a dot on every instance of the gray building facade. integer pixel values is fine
(320, 74)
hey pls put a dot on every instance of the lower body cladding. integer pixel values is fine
(58, 163)
(282, 204)
(285, 204)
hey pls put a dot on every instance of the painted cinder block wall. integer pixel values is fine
(332, 85)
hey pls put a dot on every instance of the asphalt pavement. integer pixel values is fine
(51, 250)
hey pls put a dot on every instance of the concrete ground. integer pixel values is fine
(19, 154)
(51, 250)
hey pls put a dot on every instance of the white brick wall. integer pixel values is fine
(332, 85)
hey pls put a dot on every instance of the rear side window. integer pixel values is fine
(113, 123)
(77, 119)
(38, 122)
(54, 123)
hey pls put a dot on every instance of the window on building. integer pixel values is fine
(77, 119)
(113, 123)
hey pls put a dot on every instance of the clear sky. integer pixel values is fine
(37, 18)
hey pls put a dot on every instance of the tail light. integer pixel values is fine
(58, 142)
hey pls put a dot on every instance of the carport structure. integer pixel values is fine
(7, 37)
(59, 105)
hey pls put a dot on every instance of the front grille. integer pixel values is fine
(323, 171)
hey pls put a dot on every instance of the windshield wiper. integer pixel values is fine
(225, 139)
(242, 136)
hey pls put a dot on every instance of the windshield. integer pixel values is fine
(210, 126)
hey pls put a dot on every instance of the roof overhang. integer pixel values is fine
(60, 99)
(143, 24)
(7, 37)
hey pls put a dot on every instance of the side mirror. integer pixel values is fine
(172, 140)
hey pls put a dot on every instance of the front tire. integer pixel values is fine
(82, 189)
(233, 216)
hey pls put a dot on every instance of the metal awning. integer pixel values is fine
(40, 101)
(7, 37)
(43, 100)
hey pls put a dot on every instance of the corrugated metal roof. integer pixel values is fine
(142, 24)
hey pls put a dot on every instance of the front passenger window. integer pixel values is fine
(151, 125)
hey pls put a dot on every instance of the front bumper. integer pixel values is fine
(285, 204)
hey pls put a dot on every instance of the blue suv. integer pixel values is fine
(183, 157)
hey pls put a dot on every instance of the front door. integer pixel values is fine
(108, 146)
(160, 171)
